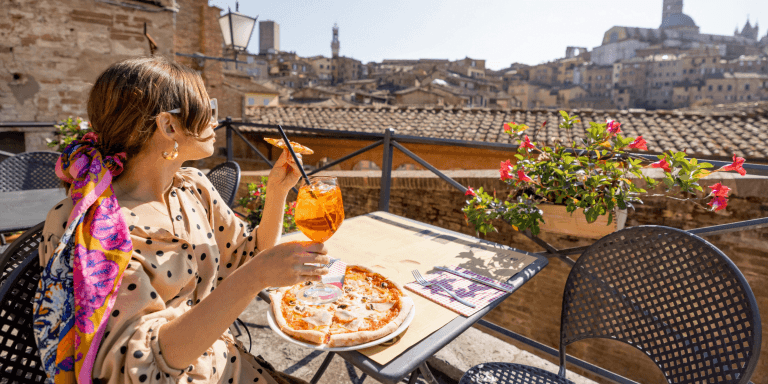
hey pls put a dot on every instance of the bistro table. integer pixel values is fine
(20, 210)
(413, 360)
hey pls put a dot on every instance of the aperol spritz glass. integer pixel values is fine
(319, 213)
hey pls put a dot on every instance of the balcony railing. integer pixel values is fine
(391, 141)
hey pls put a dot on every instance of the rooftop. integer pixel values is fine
(702, 133)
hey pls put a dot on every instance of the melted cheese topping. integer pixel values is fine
(319, 318)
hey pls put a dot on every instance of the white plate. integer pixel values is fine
(324, 347)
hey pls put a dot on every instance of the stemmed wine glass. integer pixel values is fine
(319, 213)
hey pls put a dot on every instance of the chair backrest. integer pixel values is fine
(225, 177)
(19, 358)
(18, 251)
(670, 294)
(29, 170)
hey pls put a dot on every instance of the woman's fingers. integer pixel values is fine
(311, 270)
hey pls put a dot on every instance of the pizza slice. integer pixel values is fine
(298, 148)
(301, 321)
(372, 307)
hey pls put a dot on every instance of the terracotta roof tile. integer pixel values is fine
(700, 133)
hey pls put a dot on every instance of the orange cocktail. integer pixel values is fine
(319, 209)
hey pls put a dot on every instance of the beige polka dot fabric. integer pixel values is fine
(169, 273)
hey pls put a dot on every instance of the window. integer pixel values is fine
(321, 66)
(709, 88)
(294, 66)
(266, 102)
(303, 68)
(719, 87)
(251, 101)
(684, 71)
(730, 87)
(746, 87)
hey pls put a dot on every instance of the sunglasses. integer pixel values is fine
(214, 111)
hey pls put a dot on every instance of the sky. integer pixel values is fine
(500, 31)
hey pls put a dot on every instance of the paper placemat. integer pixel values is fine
(394, 246)
(478, 294)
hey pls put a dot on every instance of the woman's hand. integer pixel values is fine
(284, 174)
(283, 264)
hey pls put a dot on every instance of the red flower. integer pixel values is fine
(718, 203)
(470, 192)
(527, 143)
(662, 164)
(544, 124)
(614, 127)
(523, 177)
(504, 169)
(507, 126)
(720, 190)
(293, 204)
(257, 193)
(736, 166)
(639, 143)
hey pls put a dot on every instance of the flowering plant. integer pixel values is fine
(68, 131)
(253, 205)
(593, 175)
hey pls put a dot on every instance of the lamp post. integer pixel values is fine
(237, 29)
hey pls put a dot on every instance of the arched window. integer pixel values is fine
(366, 165)
(407, 167)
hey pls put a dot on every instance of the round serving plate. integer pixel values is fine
(324, 347)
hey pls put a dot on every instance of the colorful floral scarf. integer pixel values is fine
(78, 287)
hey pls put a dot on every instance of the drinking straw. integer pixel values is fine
(295, 158)
(326, 216)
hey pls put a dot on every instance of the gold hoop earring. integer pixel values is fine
(174, 154)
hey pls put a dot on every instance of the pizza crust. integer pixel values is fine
(297, 148)
(362, 337)
(311, 336)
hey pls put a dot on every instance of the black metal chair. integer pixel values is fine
(225, 177)
(19, 250)
(668, 293)
(29, 170)
(19, 358)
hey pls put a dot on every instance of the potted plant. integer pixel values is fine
(67, 131)
(253, 205)
(596, 176)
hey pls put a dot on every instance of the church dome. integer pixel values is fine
(677, 20)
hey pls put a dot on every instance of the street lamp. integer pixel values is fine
(236, 29)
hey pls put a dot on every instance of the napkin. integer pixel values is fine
(479, 294)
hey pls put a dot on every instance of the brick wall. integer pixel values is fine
(52, 52)
(534, 310)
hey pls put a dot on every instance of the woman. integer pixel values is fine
(153, 262)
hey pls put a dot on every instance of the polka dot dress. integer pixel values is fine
(170, 273)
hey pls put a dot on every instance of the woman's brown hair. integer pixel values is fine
(128, 96)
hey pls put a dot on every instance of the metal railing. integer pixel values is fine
(391, 141)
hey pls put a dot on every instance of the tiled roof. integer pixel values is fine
(714, 134)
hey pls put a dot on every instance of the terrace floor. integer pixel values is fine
(471, 348)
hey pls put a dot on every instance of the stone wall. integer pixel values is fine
(534, 310)
(52, 51)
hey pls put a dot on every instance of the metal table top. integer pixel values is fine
(20, 210)
(408, 361)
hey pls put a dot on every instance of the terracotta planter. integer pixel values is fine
(558, 220)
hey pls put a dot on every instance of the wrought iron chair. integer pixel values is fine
(29, 170)
(225, 177)
(19, 250)
(19, 358)
(668, 293)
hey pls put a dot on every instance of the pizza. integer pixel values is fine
(372, 307)
(298, 148)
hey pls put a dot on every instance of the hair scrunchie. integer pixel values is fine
(78, 287)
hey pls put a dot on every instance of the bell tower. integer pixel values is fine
(671, 7)
(335, 41)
